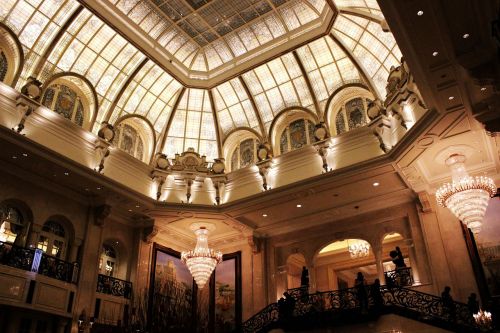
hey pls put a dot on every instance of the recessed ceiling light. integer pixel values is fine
(483, 89)
(87, 189)
(130, 210)
(435, 53)
(299, 205)
(98, 188)
(376, 184)
(420, 13)
(451, 98)
(264, 215)
(465, 36)
(116, 242)
(137, 206)
(66, 173)
(14, 156)
(25, 154)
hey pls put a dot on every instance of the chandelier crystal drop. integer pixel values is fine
(202, 260)
(483, 320)
(466, 196)
(359, 249)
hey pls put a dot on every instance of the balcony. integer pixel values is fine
(112, 286)
(34, 260)
(401, 277)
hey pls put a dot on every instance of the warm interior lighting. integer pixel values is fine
(358, 248)
(483, 319)
(376, 184)
(467, 197)
(202, 260)
(299, 206)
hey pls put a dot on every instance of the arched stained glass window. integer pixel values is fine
(128, 139)
(65, 101)
(297, 134)
(244, 154)
(352, 115)
(4, 66)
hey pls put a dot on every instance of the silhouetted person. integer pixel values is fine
(473, 304)
(448, 304)
(397, 258)
(360, 285)
(304, 278)
(376, 294)
(289, 305)
(281, 308)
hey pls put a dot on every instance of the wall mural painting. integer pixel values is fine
(179, 306)
(298, 134)
(171, 296)
(247, 149)
(228, 294)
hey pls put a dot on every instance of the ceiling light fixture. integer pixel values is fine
(299, 206)
(451, 98)
(66, 173)
(465, 36)
(264, 215)
(435, 53)
(358, 248)
(202, 260)
(483, 89)
(25, 154)
(376, 184)
(467, 197)
(420, 13)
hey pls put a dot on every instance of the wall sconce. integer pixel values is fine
(84, 322)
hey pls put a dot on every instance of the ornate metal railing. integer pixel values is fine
(113, 286)
(401, 277)
(35, 260)
(403, 301)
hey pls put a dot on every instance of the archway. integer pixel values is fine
(294, 264)
(337, 264)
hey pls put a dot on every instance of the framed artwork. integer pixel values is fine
(226, 302)
(172, 301)
(177, 305)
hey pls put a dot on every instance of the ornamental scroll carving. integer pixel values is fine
(189, 167)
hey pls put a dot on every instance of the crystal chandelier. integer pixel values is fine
(467, 197)
(201, 261)
(359, 249)
(483, 320)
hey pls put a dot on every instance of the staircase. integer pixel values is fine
(341, 307)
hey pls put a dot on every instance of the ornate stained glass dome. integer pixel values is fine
(199, 71)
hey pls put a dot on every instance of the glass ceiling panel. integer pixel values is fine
(375, 50)
(221, 30)
(327, 66)
(277, 85)
(193, 126)
(36, 23)
(369, 6)
(151, 94)
(233, 106)
(91, 48)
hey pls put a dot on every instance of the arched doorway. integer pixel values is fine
(294, 264)
(338, 263)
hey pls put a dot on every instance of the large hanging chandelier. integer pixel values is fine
(359, 248)
(202, 260)
(467, 197)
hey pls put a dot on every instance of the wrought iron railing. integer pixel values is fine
(113, 286)
(403, 301)
(401, 277)
(35, 260)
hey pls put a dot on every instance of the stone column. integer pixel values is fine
(85, 301)
(34, 234)
(73, 252)
(412, 255)
(377, 252)
(281, 280)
